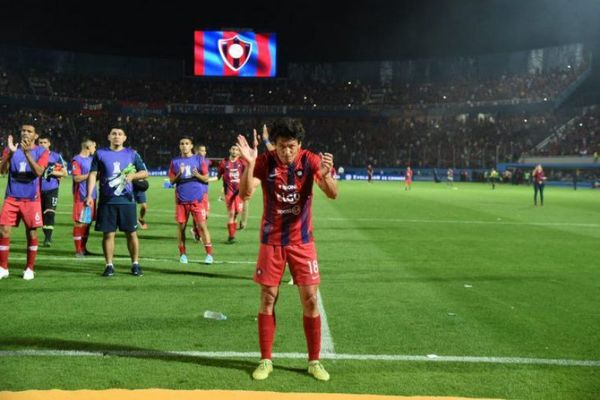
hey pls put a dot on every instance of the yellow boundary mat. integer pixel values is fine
(162, 394)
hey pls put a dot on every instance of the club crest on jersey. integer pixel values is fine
(235, 52)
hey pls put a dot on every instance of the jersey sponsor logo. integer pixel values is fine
(187, 171)
(287, 187)
(116, 167)
(22, 166)
(234, 175)
(289, 198)
(294, 210)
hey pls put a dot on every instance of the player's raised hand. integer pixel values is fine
(248, 153)
(11, 144)
(26, 143)
(326, 163)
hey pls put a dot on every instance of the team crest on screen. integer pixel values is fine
(235, 52)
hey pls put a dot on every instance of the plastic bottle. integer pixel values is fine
(86, 216)
(214, 315)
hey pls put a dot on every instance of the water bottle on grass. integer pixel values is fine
(214, 315)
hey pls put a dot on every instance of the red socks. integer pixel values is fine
(4, 250)
(78, 233)
(181, 250)
(231, 228)
(266, 333)
(32, 249)
(208, 248)
(312, 331)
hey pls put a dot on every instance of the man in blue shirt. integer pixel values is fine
(115, 167)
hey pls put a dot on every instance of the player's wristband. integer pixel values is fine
(266, 141)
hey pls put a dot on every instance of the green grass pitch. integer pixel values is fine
(451, 272)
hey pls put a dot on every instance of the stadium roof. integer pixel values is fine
(307, 30)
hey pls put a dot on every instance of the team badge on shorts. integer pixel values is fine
(259, 272)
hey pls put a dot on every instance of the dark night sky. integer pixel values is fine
(307, 31)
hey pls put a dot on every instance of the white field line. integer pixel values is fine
(349, 357)
(419, 221)
(326, 338)
(142, 259)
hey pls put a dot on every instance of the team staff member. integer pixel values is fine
(115, 167)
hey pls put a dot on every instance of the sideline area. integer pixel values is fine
(163, 394)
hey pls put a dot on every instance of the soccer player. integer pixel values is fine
(80, 169)
(287, 175)
(539, 180)
(188, 173)
(50, 182)
(231, 169)
(370, 173)
(408, 178)
(25, 163)
(115, 167)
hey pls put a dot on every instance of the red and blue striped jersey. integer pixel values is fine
(231, 172)
(287, 197)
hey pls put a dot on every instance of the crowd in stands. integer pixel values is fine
(463, 141)
(581, 136)
(460, 141)
(531, 87)
(191, 91)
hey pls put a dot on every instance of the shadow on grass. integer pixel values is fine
(115, 350)
(196, 273)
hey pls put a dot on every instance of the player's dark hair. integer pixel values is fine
(29, 123)
(287, 128)
(191, 139)
(44, 136)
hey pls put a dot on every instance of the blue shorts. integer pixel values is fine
(140, 197)
(111, 216)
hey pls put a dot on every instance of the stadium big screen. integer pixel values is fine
(230, 53)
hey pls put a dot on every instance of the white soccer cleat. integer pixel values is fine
(3, 273)
(28, 274)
